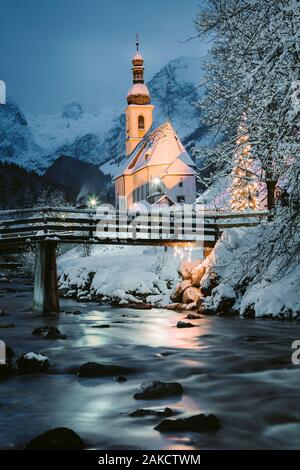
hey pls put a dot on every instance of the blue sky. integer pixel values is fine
(54, 51)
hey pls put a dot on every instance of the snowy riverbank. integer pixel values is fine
(117, 274)
(234, 279)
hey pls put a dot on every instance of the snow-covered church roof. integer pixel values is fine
(160, 147)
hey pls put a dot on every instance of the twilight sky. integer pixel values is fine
(55, 51)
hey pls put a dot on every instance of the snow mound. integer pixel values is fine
(119, 274)
(233, 281)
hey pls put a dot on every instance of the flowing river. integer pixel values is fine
(240, 370)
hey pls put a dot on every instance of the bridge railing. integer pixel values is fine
(98, 226)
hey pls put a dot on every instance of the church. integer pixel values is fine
(157, 169)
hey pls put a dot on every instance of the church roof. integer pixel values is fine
(160, 147)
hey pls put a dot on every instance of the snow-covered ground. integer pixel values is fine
(121, 274)
(242, 285)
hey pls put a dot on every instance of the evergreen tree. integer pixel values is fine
(253, 65)
(244, 186)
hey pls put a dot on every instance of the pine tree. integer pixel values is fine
(253, 65)
(244, 187)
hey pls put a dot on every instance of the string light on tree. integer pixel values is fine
(244, 185)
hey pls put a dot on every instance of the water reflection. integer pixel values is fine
(250, 385)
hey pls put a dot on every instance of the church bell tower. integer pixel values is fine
(139, 110)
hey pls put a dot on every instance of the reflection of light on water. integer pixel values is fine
(157, 332)
(179, 443)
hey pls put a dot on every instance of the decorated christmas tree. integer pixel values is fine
(244, 186)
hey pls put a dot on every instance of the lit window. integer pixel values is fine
(141, 122)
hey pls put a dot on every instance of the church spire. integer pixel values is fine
(138, 62)
(139, 110)
(139, 93)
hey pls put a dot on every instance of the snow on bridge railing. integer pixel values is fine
(104, 223)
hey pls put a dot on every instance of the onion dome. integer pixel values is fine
(138, 93)
(137, 59)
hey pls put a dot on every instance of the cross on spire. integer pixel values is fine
(137, 41)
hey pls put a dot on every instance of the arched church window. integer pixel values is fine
(141, 122)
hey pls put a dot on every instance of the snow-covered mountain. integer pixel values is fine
(36, 141)
(71, 128)
(17, 144)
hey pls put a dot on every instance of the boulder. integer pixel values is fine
(138, 306)
(222, 299)
(56, 439)
(157, 389)
(48, 332)
(183, 324)
(199, 302)
(197, 274)
(30, 363)
(176, 296)
(197, 423)
(191, 306)
(101, 326)
(9, 353)
(7, 325)
(120, 378)
(193, 316)
(176, 306)
(141, 412)
(211, 281)
(191, 294)
(5, 371)
(94, 369)
(186, 267)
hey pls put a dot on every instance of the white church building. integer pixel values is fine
(157, 169)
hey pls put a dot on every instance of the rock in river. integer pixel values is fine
(94, 369)
(56, 439)
(193, 316)
(5, 371)
(120, 379)
(196, 423)
(141, 412)
(48, 332)
(157, 389)
(7, 325)
(105, 325)
(184, 324)
(30, 363)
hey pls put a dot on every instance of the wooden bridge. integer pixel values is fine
(47, 227)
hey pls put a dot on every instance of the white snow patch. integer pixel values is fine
(127, 274)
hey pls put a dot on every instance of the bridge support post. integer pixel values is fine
(45, 293)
